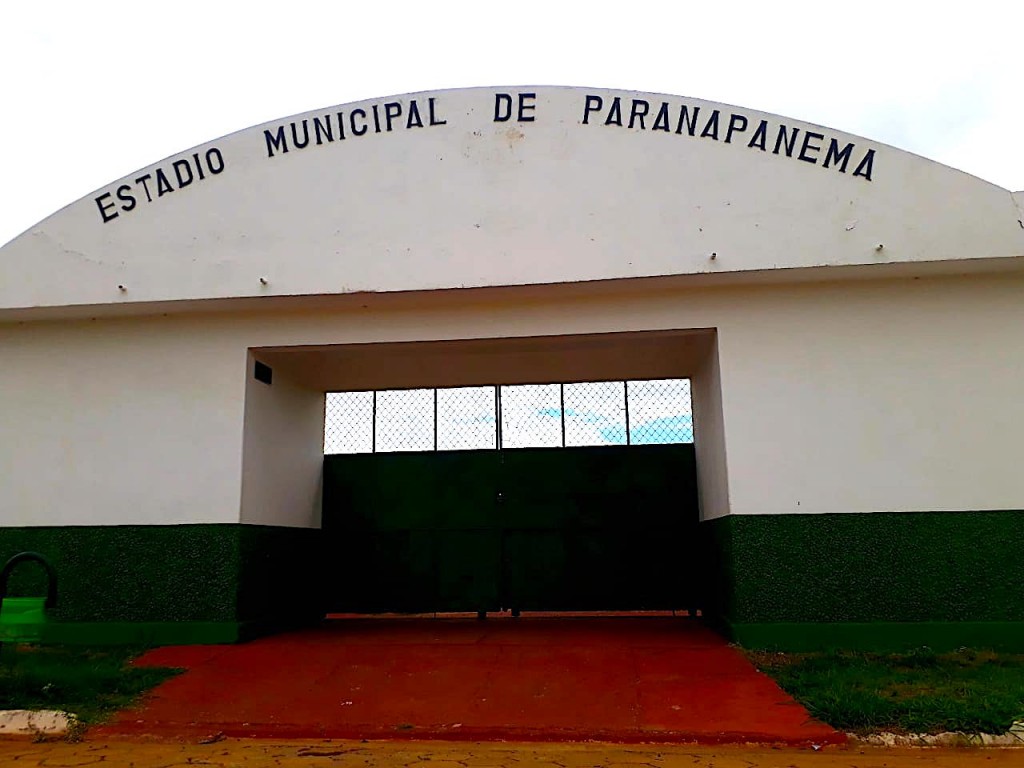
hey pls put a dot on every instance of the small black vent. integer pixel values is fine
(263, 372)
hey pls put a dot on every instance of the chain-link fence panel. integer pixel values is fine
(531, 416)
(405, 420)
(348, 422)
(595, 413)
(466, 419)
(660, 411)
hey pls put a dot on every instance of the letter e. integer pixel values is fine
(526, 105)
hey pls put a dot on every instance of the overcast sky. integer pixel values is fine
(94, 91)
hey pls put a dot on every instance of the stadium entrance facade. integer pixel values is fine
(846, 317)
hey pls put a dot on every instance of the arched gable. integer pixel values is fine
(497, 187)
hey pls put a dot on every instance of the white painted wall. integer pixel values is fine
(474, 202)
(709, 430)
(119, 422)
(901, 396)
(825, 396)
(862, 396)
(283, 457)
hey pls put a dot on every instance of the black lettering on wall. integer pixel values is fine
(835, 155)
(711, 127)
(808, 147)
(433, 117)
(414, 121)
(785, 138)
(357, 130)
(614, 113)
(392, 110)
(527, 105)
(275, 141)
(388, 116)
(106, 208)
(811, 148)
(737, 124)
(183, 180)
(163, 186)
(176, 175)
(304, 142)
(214, 160)
(685, 119)
(760, 135)
(323, 129)
(865, 165)
(661, 121)
(124, 194)
(502, 107)
(638, 113)
(144, 181)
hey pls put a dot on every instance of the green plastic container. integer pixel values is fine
(22, 619)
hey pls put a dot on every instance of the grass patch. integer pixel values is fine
(89, 682)
(919, 692)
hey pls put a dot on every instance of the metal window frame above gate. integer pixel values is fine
(489, 422)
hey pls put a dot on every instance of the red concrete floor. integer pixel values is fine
(637, 679)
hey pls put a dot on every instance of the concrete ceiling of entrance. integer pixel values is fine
(469, 362)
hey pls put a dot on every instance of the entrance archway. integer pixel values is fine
(571, 518)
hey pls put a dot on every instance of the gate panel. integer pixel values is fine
(411, 532)
(598, 528)
(468, 570)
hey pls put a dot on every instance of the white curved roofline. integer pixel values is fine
(502, 186)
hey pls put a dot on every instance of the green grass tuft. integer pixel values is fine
(919, 692)
(91, 683)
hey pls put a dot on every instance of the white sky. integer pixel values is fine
(92, 91)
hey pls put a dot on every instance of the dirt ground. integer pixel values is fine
(231, 753)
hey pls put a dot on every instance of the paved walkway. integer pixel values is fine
(624, 680)
(436, 754)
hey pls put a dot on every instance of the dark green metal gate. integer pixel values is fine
(563, 529)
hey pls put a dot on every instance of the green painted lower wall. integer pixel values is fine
(798, 582)
(880, 636)
(170, 584)
(881, 580)
(143, 634)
